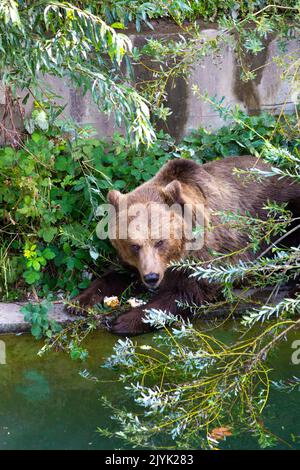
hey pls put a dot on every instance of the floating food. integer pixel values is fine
(111, 302)
(133, 302)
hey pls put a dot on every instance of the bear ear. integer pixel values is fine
(173, 193)
(114, 198)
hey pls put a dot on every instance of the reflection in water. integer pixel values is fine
(46, 404)
(34, 386)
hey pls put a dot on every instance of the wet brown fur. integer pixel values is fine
(215, 185)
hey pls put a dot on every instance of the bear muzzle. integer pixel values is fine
(151, 280)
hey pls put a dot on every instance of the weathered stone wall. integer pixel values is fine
(219, 77)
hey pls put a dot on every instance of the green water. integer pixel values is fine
(46, 404)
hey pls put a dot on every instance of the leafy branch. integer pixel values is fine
(62, 40)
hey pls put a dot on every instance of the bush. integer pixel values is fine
(50, 190)
(51, 187)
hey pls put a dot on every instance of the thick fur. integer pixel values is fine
(217, 187)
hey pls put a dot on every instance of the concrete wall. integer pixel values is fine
(218, 76)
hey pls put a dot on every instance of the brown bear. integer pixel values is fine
(212, 188)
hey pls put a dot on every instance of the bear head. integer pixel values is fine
(150, 228)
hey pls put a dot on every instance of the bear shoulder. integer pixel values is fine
(177, 169)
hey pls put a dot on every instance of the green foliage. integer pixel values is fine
(37, 259)
(243, 136)
(62, 40)
(279, 266)
(71, 337)
(188, 382)
(245, 27)
(285, 309)
(37, 315)
(210, 10)
(71, 40)
(261, 271)
(288, 385)
(50, 190)
(77, 352)
(51, 186)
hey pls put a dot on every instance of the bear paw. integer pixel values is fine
(130, 324)
(81, 304)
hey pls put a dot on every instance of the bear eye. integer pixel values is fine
(135, 248)
(159, 244)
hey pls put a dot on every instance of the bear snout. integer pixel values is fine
(151, 280)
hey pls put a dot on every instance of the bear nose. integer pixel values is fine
(151, 278)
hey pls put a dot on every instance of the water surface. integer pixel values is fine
(46, 404)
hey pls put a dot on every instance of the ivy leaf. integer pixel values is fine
(47, 233)
(31, 276)
(36, 137)
(36, 331)
(48, 254)
(36, 265)
(63, 163)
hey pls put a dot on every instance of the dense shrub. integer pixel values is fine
(209, 10)
(51, 187)
(50, 190)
